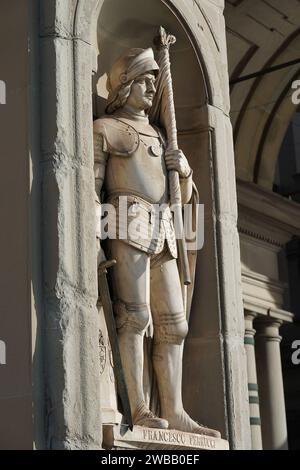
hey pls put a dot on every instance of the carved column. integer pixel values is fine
(268, 359)
(255, 421)
(70, 317)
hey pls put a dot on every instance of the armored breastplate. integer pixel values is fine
(136, 159)
(136, 168)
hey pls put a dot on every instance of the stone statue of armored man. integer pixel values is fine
(131, 161)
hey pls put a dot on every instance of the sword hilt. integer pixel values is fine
(105, 265)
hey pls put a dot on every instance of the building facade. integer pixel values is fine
(241, 140)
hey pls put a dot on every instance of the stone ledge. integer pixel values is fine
(120, 437)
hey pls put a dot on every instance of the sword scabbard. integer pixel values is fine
(104, 295)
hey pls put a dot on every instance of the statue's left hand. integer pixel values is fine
(176, 160)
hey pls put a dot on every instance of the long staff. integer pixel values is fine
(164, 110)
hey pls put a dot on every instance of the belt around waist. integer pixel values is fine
(135, 202)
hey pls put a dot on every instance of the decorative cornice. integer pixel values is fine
(260, 236)
(267, 313)
(279, 213)
(260, 280)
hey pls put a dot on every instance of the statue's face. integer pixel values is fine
(142, 92)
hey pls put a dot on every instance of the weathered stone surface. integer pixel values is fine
(66, 141)
(57, 18)
(119, 437)
(72, 366)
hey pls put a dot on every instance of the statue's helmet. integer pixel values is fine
(126, 69)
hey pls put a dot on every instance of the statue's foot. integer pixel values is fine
(144, 417)
(183, 422)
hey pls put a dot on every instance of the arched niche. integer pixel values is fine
(214, 365)
(123, 24)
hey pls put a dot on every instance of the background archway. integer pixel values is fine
(261, 35)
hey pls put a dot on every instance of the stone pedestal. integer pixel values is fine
(120, 437)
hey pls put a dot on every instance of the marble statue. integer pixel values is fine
(132, 160)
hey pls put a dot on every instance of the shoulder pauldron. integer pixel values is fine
(119, 138)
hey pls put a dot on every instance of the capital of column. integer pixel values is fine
(268, 328)
(249, 318)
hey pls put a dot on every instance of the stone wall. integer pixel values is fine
(16, 429)
(69, 332)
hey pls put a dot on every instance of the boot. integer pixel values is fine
(144, 417)
(167, 361)
(131, 349)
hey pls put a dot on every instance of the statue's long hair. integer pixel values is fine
(120, 98)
